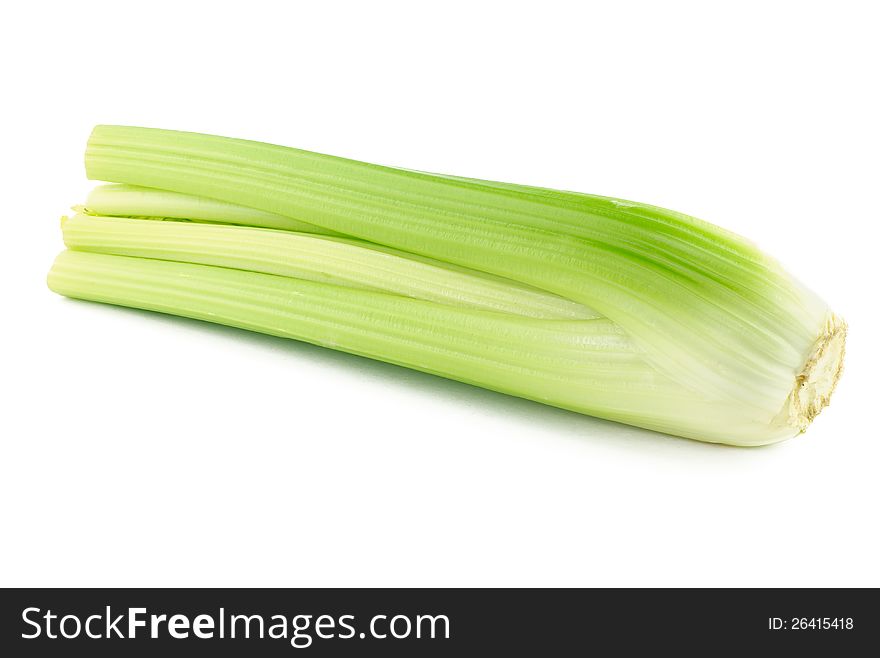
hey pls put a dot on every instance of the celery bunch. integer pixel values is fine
(611, 308)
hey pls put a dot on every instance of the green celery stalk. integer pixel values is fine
(589, 366)
(738, 350)
(143, 202)
(317, 258)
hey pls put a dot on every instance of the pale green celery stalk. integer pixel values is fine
(706, 307)
(589, 366)
(143, 202)
(316, 258)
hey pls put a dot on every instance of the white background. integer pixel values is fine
(139, 449)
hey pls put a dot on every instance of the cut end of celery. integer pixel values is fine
(820, 374)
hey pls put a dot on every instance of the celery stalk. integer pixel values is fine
(143, 202)
(589, 366)
(317, 258)
(722, 343)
